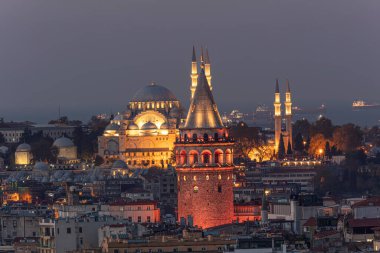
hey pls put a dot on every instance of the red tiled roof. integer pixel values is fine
(311, 222)
(371, 222)
(374, 201)
(326, 233)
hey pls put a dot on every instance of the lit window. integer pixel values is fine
(196, 189)
(220, 177)
(207, 177)
(195, 178)
(184, 178)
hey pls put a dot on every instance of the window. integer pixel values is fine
(80, 230)
(139, 219)
(148, 219)
(196, 189)
(219, 188)
(68, 230)
(115, 251)
(189, 249)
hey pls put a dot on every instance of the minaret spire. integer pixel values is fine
(202, 58)
(288, 113)
(194, 73)
(208, 68)
(277, 116)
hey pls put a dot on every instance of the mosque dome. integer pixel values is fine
(133, 126)
(23, 147)
(164, 125)
(112, 127)
(119, 164)
(41, 166)
(149, 126)
(63, 142)
(153, 92)
(4, 149)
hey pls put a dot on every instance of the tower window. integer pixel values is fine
(205, 137)
(195, 137)
(219, 188)
(196, 189)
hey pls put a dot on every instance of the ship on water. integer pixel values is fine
(361, 105)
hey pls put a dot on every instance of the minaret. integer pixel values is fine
(208, 69)
(288, 113)
(277, 117)
(194, 73)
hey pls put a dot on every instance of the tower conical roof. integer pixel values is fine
(203, 112)
(277, 87)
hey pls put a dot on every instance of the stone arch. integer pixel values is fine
(155, 117)
(229, 156)
(183, 157)
(193, 157)
(206, 156)
(218, 156)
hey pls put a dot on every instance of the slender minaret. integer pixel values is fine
(208, 69)
(288, 113)
(277, 117)
(194, 74)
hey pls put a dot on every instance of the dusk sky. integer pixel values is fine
(91, 56)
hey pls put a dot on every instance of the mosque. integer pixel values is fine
(143, 136)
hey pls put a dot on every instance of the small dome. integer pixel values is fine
(112, 127)
(63, 142)
(164, 125)
(24, 147)
(153, 92)
(149, 126)
(118, 117)
(133, 126)
(119, 164)
(41, 166)
(3, 149)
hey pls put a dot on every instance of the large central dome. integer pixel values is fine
(153, 92)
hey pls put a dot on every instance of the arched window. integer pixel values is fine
(218, 156)
(185, 137)
(195, 137)
(216, 137)
(229, 156)
(183, 157)
(206, 156)
(205, 137)
(219, 188)
(193, 157)
(195, 189)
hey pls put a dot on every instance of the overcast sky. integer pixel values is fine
(92, 56)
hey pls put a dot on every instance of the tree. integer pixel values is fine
(244, 146)
(289, 149)
(281, 148)
(298, 143)
(302, 127)
(317, 143)
(327, 149)
(322, 126)
(348, 137)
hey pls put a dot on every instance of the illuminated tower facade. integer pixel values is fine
(204, 167)
(278, 118)
(204, 64)
(288, 115)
